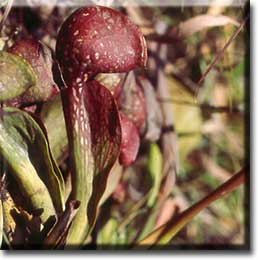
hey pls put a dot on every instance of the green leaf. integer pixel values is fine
(154, 166)
(112, 181)
(53, 120)
(16, 76)
(25, 149)
(108, 234)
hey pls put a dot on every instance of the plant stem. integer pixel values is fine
(76, 123)
(221, 53)
(167, 231)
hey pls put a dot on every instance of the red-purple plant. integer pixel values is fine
(94, 40)
(130, 141)
(39, 57)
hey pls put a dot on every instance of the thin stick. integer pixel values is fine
(166, 232)
(221, 53)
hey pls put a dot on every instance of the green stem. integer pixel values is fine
(77, 127)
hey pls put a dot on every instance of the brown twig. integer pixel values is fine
(163, 38)
(63, 224)
(165, 232)
(221, 53)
